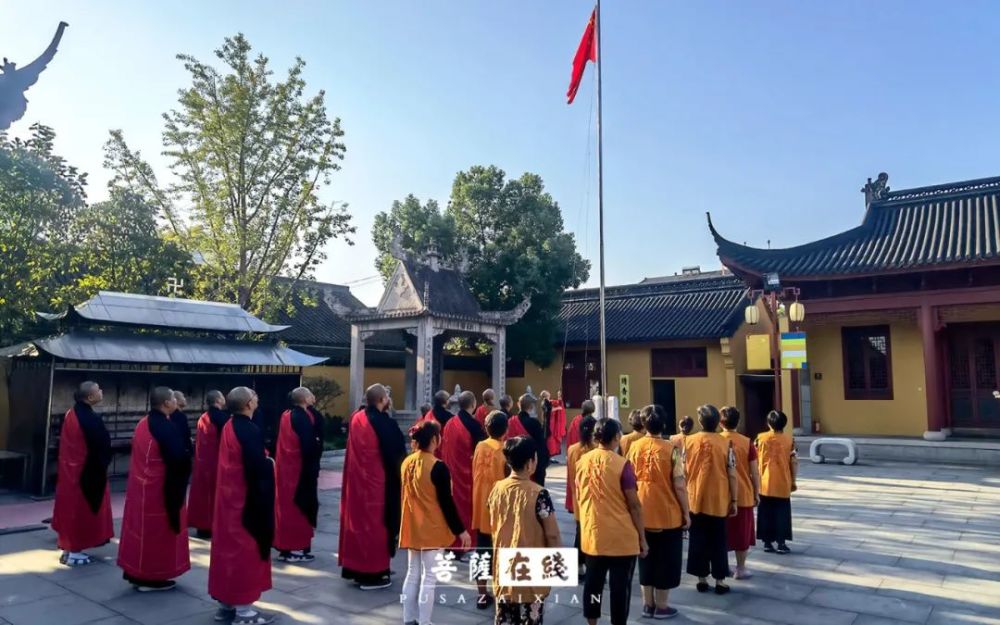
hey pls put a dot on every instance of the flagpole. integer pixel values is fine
(600, 213)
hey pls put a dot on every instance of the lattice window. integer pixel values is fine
(867, 362)
(958, 365)
(985, 363)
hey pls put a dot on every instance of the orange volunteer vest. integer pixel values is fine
(606, 527)
(707, 475)
(488, 468)
(652, 459)
(423, 525)
(774, 455)
(741, 447)
(573, 455)
(511, 508)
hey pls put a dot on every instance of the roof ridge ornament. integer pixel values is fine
(876, 190)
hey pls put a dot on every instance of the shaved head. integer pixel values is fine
(588, 407)
(180, 398)
(301, 396)
(506, 402)
(489, 396)
(89, 392)
(467, 401)
(377, 397)
(215, 399)
(526, 402)
(441, 398)
(241, 400)
(161, 397)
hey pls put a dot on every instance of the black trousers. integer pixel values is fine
(661, 569)
(620, 569)
(707, 547)
(774, 519)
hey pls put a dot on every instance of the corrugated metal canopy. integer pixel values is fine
(148, 348)
(696, 308)
(167, 312)
(909, 230)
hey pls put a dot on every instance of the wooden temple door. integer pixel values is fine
(973, 389)
(581, 370)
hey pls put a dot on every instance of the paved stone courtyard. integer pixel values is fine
(882, 544)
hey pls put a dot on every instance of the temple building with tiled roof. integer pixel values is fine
(902, 312)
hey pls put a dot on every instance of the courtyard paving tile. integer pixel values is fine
(885, 544)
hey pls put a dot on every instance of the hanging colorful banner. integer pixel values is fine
(793, 350)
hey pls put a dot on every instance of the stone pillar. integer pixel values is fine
(356, 391)
(424, 361)
(410, 375)
(499, 368)
(936, 419)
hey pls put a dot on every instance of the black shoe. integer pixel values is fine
(203, 534)
(783, 549)
(720, 588)
(702, 586)
(768, 548)
(157, 587)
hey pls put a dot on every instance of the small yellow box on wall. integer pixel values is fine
(758, 352)
(623, 391)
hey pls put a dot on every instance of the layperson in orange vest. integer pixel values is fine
(712, 492)
(153, 549)
(739, 529)
(611, 528)
(573, 434)
(243, 521)
(201, 499)
(489, 405)
(296, 475)
(638, 431)
(526, 423)
(82, 513)
(685, 425)
(430, 521)
(522, 516)
(778, 468)
(370, 495)
(573, 454)
(662, 491)
(488, 468)
(458, 445)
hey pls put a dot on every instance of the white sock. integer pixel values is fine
(78, 555)
(245, 610)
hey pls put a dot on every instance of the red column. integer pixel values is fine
(932, 374)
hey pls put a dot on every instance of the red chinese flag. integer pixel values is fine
(586, 52)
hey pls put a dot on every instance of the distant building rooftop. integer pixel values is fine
(926, 228)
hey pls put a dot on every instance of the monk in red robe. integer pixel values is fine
(525, 423)
(489, 405)
(296, 472)
(371, 491)
(458, 446)
(440, 413)
(555, 423)
(154, 543)
(201, 500)
(243, 522)
(82, 515)
(573, 434)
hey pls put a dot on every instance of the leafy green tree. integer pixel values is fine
(118, 246)
(39, 196)
(249, 156)
(512, 233)
(417, 227)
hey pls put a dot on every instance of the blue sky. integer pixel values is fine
(770, 114)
